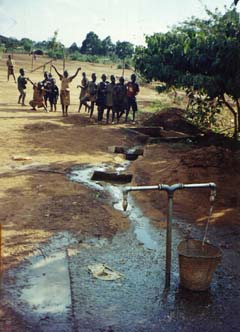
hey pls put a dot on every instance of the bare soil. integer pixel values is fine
(37, 149)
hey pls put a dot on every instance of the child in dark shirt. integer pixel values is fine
(53, 95)
(21, 83)
(132, 88)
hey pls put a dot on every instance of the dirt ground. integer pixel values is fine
(37, 149)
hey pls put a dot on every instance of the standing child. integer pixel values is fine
(83, 86)
(22, 82)
(46, 82)
(91, 94)
(101, 97)
(53, 95)
(132, 88)
(10, 68)
(109, 97)
(65, 90)
(119, 99)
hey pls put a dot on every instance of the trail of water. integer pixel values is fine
(142, 228)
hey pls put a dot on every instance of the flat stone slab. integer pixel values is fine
(111, 177)
(130, 153)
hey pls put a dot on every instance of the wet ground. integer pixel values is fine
(55, 291)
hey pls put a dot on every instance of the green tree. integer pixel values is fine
(54, 44)
(73, 48)
(27, 44)
(107, 46)
(55, 48)
(42, 45)
(91, 44)
(201, 56)
(11, 44)
(124, 49)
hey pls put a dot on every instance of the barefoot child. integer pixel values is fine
(65, 90)
(21, 83)
(53, 95)
(83, 86)
(10, 66)
(38, 96)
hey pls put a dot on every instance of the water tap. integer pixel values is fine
(125, 201)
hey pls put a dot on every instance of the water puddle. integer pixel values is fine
(42, 291)
(49, 279)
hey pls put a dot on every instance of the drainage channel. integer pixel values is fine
(145, 233)
(132, 302)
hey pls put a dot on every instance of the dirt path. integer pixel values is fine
(38, 201)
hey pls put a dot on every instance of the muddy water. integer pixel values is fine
(138, 301)
(145, 233)
(54, 290)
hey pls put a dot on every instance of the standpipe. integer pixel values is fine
(170, 192)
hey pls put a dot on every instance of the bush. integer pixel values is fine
(127, 66)
(58, 54)
(76, 56)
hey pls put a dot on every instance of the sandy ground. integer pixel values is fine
(37, 200)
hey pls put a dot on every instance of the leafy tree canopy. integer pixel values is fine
(124, 49)
(91, 44)
(198, 55)
(107, 46)
(74, 48)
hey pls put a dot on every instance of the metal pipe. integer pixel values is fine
(210, 185)
(170, 191)
(173, 187)
(169, 242)
(141, 188)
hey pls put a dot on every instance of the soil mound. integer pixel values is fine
(77, 119)
(172, 119)
(211, 156)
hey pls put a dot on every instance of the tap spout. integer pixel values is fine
(125, 198)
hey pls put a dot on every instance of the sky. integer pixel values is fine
(124, 20)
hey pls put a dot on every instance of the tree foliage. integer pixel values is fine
(124, 49)
(73, 48)
(201, 56)
(92, 48)
(54, 44)
(107, 46)
(91, 44)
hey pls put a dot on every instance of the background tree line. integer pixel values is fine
(91, 46)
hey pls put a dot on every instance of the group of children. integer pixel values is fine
(43, 91)
(117, 98)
